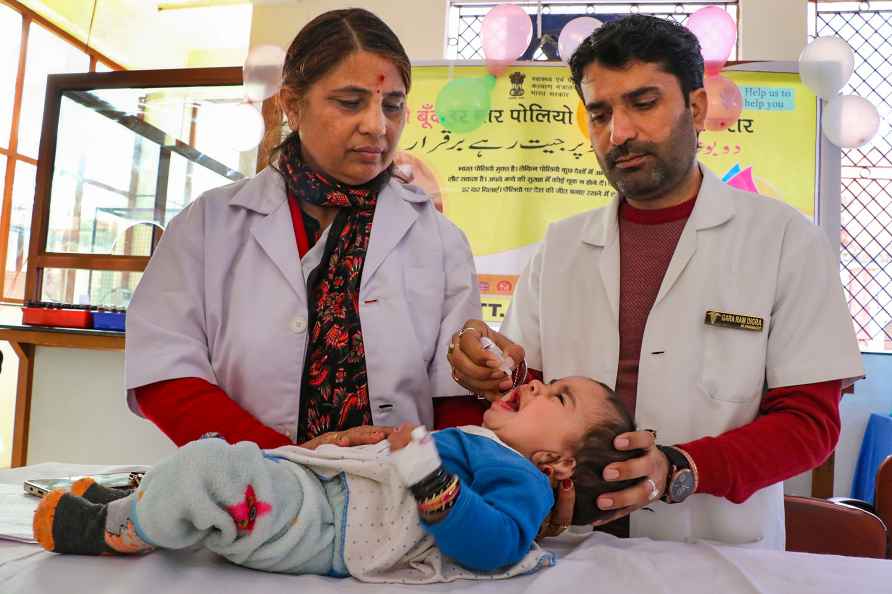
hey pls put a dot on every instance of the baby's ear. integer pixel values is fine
(554, 465)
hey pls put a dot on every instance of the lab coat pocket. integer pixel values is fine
(424, 293)
(733, 363)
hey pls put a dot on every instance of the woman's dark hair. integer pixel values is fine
(323, 43)
(332, 36)
(594, 454)
(643, 38)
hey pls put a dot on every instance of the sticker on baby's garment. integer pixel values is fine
(730, 320)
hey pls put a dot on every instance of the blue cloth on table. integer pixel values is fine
(876, 446)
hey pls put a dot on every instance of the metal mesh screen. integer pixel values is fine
(464, 41)
(866, 217)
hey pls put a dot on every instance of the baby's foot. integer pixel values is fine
(66, 523)
(93, 492)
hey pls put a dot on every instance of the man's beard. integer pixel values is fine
(666, 166)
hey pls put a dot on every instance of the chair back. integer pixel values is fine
(832, 528)
(882, 501)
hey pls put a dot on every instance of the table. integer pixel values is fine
(590, 562)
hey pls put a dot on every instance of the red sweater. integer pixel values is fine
(187, 408)
(800, 421)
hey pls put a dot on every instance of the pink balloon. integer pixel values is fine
(717, 33)
(725, 102)
(506, 31)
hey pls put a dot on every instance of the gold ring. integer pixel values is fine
(451, 348)
(469, 329)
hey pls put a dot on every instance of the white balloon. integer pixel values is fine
(262, 73)
(574, 33)
(849, 121)
(245, 127)
(825, 65)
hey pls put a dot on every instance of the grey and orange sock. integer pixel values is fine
(67, 523)
(93, 492)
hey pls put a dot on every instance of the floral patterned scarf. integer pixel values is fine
(334, 390)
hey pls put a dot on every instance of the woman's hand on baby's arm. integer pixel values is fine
(362, 435)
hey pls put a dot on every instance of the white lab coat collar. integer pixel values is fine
(714, 207)
(265, 194)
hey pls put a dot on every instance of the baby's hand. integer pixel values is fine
(400, 437)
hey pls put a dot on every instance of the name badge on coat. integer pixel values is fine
(736, 321)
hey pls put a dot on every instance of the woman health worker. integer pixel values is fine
(319, 295)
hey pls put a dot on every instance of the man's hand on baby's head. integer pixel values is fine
(401, 436)
(651, 468)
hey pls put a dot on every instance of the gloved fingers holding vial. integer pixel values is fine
(484, 361)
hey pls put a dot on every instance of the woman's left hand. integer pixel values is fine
(362, 435)
(652, 467)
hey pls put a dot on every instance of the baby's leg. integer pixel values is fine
(263, 513)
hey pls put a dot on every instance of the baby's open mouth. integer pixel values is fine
(511, 400)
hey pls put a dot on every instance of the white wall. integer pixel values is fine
(772, 29)
(79, 413)
(420, 24)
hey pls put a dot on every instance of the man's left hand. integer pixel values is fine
(652, 467)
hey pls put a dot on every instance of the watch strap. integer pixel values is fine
(678, 461)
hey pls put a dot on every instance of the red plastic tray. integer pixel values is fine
(66, 318)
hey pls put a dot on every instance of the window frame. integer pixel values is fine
(39, 258)
(9, 147)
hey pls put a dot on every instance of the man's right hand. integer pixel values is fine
(476, 369)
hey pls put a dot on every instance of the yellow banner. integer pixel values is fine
(530, 162)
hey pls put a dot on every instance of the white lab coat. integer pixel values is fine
(739, 253)
(224, 299)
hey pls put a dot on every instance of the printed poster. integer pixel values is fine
(530, 162)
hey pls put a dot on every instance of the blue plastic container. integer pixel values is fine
(109, 320)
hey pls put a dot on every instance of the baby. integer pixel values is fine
(396, 511)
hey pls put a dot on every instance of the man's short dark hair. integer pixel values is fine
(643, 38)
(597, 452)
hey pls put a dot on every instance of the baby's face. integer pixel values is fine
(550, 417)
